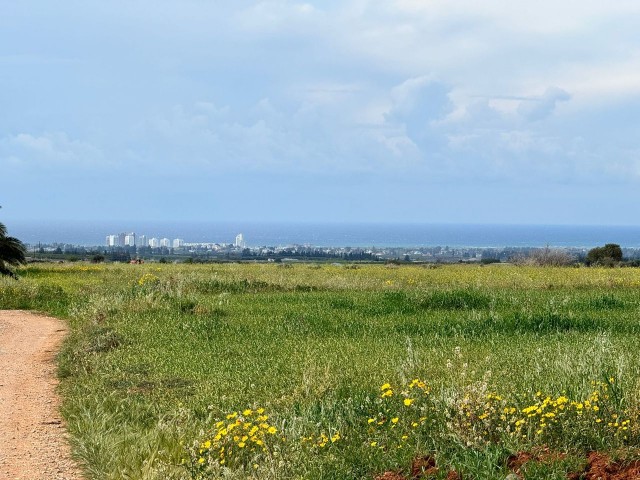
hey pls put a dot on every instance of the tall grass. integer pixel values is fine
(159, 354)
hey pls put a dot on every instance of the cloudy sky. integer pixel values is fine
(352, 110)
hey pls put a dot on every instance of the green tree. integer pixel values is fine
(608, 255)
(97, 258)
(12, 252)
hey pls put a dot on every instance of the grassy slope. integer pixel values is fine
(152, 357)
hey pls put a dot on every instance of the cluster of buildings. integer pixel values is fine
(133, 240)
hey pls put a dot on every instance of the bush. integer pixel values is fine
(551, 257)
(97, 258)
(608, 255)
(489, 261)
(546, 257)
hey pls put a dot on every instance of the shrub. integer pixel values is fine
(548, 257)
(97, 258)
(608, 255)
(488, 261)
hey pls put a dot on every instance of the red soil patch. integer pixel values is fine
(421, 468)
(391, 476)
(542, 455)
(600, 467)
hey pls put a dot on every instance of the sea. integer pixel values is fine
(332, 234)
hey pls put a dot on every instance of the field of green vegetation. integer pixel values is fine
(341, 372)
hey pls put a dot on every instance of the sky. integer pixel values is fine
(428, 111)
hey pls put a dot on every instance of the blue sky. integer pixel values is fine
(352, 110)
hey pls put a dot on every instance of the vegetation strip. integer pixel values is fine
(339, 373)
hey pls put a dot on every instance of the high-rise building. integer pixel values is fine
(240, 243)
(130, 239)
(142, 241)
(178, 243)
(112, 240)
(165, 242)
(121, 240)
(154, 242)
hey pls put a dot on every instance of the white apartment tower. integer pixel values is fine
(240, 243)
(178, 243)
(130, 239)
(112, 240)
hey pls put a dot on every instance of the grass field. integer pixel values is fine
(341, 372)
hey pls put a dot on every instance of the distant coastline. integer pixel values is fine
(336, 235)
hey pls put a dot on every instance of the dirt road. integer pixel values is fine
(33, 442)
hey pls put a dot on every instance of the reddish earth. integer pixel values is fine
(599, 467)
(421, 468)
(391, 476)
(541, 455)
(33, 442)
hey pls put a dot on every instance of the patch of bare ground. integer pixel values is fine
(421, 468)
(33, 439)
(540, 455)
(599, 467)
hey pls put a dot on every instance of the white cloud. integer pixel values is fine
(428, 87)
(495, 48)
(49, 150)
(278, 17)
(538, 108)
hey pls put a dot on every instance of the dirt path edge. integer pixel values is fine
(33, 438)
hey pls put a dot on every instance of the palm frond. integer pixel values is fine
(12, 251)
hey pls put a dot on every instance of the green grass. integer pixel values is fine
(158, 353)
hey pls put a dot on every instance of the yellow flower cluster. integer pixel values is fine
(484, 418)
(416, 383)
(148, 279)
(323, 440)
(239, 438)
(549, 411)
(91, 269)
(402, 416)
(478, 416)
(399, 414)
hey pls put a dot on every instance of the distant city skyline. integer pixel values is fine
(287, 111)
(333, 234)
(132, 239)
